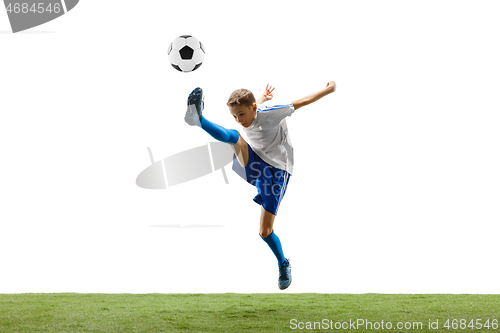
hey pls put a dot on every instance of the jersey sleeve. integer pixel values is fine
(275, 114)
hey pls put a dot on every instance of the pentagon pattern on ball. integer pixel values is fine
(186, 53)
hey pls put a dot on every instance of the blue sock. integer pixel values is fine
(218, 132)
(274, 243)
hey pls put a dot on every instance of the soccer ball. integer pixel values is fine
(186, 53)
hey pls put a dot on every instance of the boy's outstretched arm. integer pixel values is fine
(330, 87)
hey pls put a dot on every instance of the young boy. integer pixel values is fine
(267, 159)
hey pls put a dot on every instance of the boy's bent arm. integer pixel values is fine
(330, 87)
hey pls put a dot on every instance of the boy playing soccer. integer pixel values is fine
(268, 157)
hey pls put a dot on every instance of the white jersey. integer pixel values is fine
(268, 136)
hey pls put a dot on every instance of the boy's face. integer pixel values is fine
(243, 115)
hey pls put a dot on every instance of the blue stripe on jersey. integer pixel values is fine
(270, 108)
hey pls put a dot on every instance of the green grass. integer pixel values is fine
(238, 312)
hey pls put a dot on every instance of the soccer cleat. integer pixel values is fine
(285, 278)
(195, 107)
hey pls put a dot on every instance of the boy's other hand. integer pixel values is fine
(331, 86)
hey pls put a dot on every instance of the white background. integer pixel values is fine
(396, 186)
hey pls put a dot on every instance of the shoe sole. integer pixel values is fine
(286, 286)
(196, 98)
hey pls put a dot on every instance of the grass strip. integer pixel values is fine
(248, 312)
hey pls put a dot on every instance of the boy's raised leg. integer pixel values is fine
(194, 117)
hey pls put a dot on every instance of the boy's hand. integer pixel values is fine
(331, 86)
(267, 95)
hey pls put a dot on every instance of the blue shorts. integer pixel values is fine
(271, 182)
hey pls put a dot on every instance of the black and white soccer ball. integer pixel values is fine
(186, 53)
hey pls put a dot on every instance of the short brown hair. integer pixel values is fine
(241, 97)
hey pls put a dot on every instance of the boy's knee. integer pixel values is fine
(265, 232)
(234, 136)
